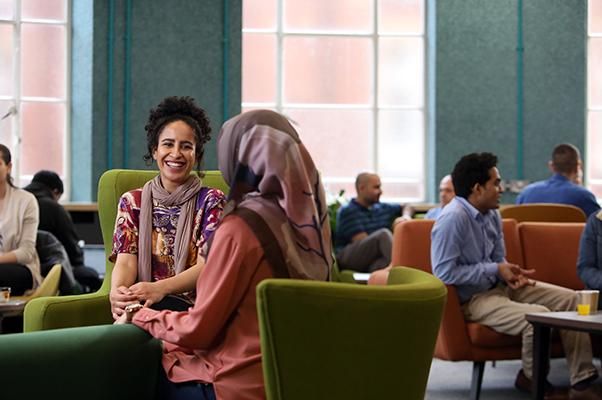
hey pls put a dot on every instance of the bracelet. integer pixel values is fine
(131, 309)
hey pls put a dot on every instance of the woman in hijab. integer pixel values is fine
(162, 229)
(275, 225)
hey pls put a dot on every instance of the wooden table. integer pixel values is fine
(11, 308)
(542, 324)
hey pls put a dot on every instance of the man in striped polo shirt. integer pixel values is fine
(363, 235)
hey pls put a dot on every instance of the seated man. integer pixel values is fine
(564, 186)
(467, 250)
(446, 194)
(589, 263)
(363, 234)
(47, 187)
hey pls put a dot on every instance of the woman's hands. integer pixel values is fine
(150, 292)
(120, 297)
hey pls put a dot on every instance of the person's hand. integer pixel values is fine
(121, 320)
(149, 292)
(119, 298)
(515, 276)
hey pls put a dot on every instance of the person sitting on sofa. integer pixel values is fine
(467, 250)
(564, 186)
(162, 229)
(446, 194)
(589, 262)
(48, 188)
(276, 226)
(19, 262)
(363, 229)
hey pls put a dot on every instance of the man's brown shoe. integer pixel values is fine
(526, 385)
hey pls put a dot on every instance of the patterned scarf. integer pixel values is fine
(270, 172)
(184, 196)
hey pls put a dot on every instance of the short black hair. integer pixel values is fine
(565, 158)
(172, 109)
(49, 179)
(471, 169)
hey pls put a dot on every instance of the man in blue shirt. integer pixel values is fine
(565, 185)
(467, 250)
(446, 194)
(363, 235)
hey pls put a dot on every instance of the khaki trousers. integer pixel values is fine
(503, 309)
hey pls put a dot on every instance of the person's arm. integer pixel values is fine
(589, 266)
(26, 248)
(590, 205)
(66, 234)
(233, 263)
(123, 276)
(447, 242)
(348, 228)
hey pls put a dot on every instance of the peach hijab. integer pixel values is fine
(270, 172)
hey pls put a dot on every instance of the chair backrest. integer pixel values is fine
(552, 250)
(48, 287)
(327, 340)
(113, 184)
(543, 212)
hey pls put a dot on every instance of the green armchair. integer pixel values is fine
(93, 363)
(94, 308)
(325, 340)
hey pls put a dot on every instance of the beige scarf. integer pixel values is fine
(184, 196)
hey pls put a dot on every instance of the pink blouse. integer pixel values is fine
(217, 340)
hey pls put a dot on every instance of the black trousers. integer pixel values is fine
(17, 276)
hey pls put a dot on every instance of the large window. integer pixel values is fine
(34, 96)
(594, 97)
(351, 74)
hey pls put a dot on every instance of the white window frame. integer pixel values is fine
(18, 98)
(374, 107)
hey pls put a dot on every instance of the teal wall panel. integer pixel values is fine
(555, 67)
(143, 51)
(477, 85)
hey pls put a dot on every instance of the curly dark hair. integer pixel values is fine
(176, 108)
(471, 169)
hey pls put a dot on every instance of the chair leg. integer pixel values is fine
(478, 367)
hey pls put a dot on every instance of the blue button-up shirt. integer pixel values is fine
(466, 247)
(558, 189)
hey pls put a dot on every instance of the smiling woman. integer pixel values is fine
(161, 231)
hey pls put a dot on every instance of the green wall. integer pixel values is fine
(130, 54)
(477, 83)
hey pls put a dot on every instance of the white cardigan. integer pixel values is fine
(19, 221)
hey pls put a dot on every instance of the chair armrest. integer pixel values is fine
(453, 343)
(67, 311)
(98, 362)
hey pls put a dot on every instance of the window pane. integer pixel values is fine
(594, 148)
(594, 69)
(401, 150)
(259, 68)
(595, 16)
(339, 141)
(401, 72)
(6, 60)
(259, 14)
(6, 125)
(44, 9)
(43, 136)
(43, 63)
(401, 16)
(328, 70)
(329, 16)
(6, 9)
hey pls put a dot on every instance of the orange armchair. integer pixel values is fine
(458, 340)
